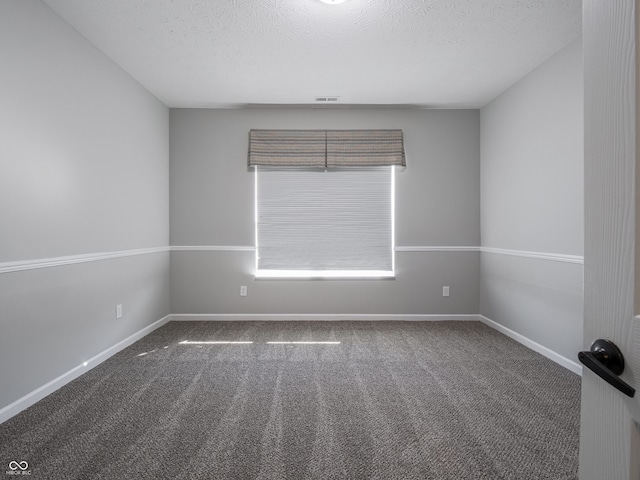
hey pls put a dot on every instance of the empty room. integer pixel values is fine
(314, 239)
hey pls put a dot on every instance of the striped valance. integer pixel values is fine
(326, 148)
(288, 148)
(369, 148)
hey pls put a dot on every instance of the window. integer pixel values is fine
(337, 223)
(317, 214)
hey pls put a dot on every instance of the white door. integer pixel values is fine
(609, 435)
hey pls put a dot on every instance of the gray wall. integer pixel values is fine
(212, 205)
(532, 201)
(84, 163)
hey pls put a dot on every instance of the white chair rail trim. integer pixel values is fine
(556, 257)
(20, 265)
(8, 267)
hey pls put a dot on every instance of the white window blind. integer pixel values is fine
(313, 223)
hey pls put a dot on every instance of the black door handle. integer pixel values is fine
(605, 360)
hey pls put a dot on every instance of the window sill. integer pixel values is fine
(325, 275)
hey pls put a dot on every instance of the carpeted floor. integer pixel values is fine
(392, 400)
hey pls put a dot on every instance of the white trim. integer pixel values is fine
(418, 248)
(556, 257)
(21, 265)
(39, 393)
(575, 367)
(213, 248)
(8, 267)
(393, 220)
(243, 248)
(214, 317)
(325, 274)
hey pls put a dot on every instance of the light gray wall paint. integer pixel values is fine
(84, 163)
(82, 144)
(212, 203)
(539, 299)
(532, 160)
(209, 283)
(54, 319)
(532, 200)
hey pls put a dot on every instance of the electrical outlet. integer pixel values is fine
(445, 291)
(243, 291)
(119, 311)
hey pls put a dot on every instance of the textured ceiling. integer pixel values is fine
(438, 53)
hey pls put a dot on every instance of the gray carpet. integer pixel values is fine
(393, 400)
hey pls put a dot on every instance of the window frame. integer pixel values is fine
(329, 273)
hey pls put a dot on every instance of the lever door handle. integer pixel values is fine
(605, 360)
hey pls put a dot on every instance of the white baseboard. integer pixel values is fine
(575, 367)
(213, 317)
(39, 393)
(50, 387)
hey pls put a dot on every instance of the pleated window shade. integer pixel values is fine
(313, 223)
(324, 202)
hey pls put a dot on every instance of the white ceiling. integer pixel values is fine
(436, 53)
